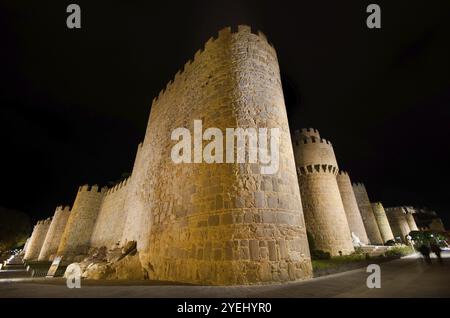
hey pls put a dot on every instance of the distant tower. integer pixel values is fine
(382, 221)
(399, 223)
(75, 241)
(365, 207)
(325, 217)
(54, 234)
(37, 240)
(355, 221)
(410, 211)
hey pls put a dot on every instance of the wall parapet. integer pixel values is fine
(63, 208)
(93, 188)
(310, 169)
(117, 187)
(222, 34)
(343, 173)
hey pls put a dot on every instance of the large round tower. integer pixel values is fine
(354, 218)
(382, 221)
(225, 222)
(75, 241)
(365, 207)
(37, 240)
(325, 217)
(54, 234)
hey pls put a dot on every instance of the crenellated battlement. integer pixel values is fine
(343, 173)
(118, 186)
(313, 140)
(358, 185)
(396, 210)
(309, 169)
(313, 150)
(300, 134)
(93, 188)
(309, 136)
(65, 208)
(46, 221)
(224, 33)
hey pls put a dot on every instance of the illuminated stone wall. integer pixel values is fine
(54, 234)
(76, 239)
(399, 224)
(325, 217)
(365, 207)
(37, 240)
(352, 212)
(137, 222)
(410, 211)
(222, 223)
(111, 218)
(382, 221)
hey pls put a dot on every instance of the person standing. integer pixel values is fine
(436, 250)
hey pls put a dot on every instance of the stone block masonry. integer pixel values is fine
(111, 217)
(222, 223)
(365, 207)
(137, 221)
(37, 240)
(54, 234)
(410, 219)
(382, 221)
(76, 239)
(399, 223)
(354, 218)
(325, 217)
(219, 223)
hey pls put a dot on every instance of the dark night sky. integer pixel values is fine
(74, 104)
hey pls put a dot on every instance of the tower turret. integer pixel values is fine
(75, 241)
(37, 240)
(382, 221)
(365, 207)
(352, 212)
(325, 217)
(410, 211)
(54, 234)
(222, 223)
(399, 223)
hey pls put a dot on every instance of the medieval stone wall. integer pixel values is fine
(75, 242)
(37, 240)
(310, 151)
(382, 221)
(410, 211)
(365, 207)
(111, 218)
(54, 234)
(137, 222)
(352, 212)
(306, 132)
(325, 217)
(220, 223)
(398, 222)
(223, 223)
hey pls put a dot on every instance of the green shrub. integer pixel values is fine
(399, 251)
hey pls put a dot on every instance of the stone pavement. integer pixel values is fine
(407, 277)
